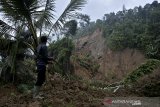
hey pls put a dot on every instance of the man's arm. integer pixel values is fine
(47, 59)
(44, 53)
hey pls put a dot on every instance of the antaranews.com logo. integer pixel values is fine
(132, 101)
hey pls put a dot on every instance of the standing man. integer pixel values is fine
(42, 61)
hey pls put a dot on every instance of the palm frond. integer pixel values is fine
(5, 44)
(18, 9)
(69, 12)
(21, 10)
(5, 28)
(46, 16)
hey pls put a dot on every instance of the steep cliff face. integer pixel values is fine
(114, 65)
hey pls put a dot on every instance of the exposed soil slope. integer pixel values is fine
(113, 65)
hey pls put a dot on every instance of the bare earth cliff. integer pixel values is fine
(114, 65)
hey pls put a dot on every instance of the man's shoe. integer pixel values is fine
(36, 90)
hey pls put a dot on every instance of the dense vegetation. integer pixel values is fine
(62, 51)
(133, 28)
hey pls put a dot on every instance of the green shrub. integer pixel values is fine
(23, 88)
(88, 63)
(142, 70)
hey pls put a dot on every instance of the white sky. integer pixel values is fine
(97, 8)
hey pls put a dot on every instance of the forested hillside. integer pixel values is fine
(134, 28)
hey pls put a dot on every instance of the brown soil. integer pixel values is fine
(58, 92)
(114, 65)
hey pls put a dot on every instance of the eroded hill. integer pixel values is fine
(114, 65)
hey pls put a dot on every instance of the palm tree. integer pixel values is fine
(35, 17)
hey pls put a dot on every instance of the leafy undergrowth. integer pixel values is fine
(144, 69)
(58, 92)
